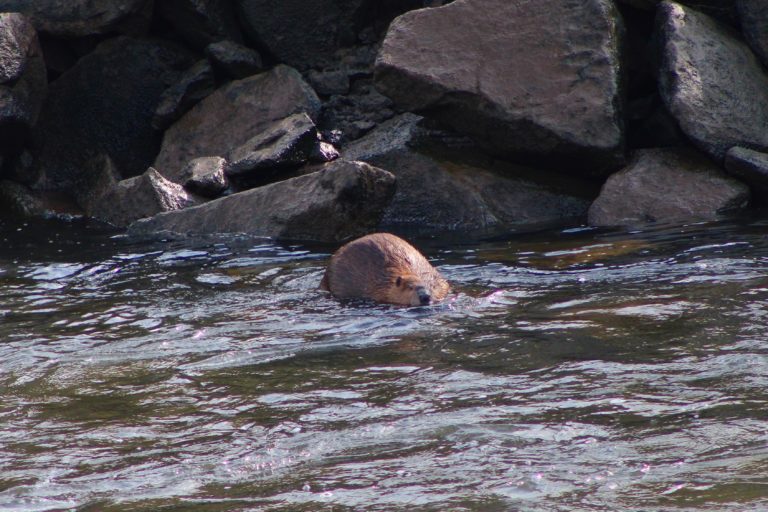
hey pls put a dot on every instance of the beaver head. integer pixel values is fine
(384, 268)
(408, 290)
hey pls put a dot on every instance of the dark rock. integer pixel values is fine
(354, 114)
(235, 60)
(77, 18)
(753, 15)
(99, 177)
(206, 176)
(20, 200)
(749, 166)
(201, 22)
(667, 185)
(230, 116)
(440, 188)
(196, 84)
(711, 82)
(324, 152)
(723, 10)
(104, 105)
(139, 197)
(532, 80)
(299, 33)
(330, 82)
(282, 146)
(23, 81)
(342, 201)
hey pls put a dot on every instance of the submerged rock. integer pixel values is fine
(711, 82)
(529, 79)
(440, 188)
(229, 117)
(667, 185)
(342, 201)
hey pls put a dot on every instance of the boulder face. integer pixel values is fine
(551, 92)
(436, 192)
(77, 18)
(753, 15)
(663, 185)
(104, 105)
(711, 82)
(749, 166)
(139, 197)
(233, 114)
(343, 200)
(23, 82)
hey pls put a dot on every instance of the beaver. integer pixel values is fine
(385, 268)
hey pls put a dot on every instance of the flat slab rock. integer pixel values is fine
(342, 201)
(711, 82)
(667, 185)
(233, 114)
(539, 79)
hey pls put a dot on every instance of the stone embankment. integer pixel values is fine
(326, 119)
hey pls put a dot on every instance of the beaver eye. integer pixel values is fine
(399, 281)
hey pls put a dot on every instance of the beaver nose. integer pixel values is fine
(424, 296)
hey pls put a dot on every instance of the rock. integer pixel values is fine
(139, 197)
(283, 146)
(354, 114)
(749, 166)
(23, 81)
(530, 80)
(196, 84)
(98, 178)
(20, 200)
(206, 176)
(201, 22)
(230, 116)
(316, 29)
(78, 18)
(324, 152)
(440, 188)
(667, 185)
(105, 105)
(342, 201)
(233, 59)
(753, 15)
(711, 82)
(331, 82)
(723, 10)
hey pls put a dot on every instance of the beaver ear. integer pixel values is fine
(398, 281)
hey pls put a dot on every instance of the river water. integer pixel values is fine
(573, 370)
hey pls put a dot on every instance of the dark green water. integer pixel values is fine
(574, 370)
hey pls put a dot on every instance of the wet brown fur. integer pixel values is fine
(384, 268)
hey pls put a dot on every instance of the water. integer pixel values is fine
(572, 370)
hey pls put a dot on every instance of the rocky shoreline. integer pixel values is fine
(328, 119)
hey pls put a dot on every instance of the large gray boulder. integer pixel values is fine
(233, 114)
(667, 185)
(749, 166)
(77, 18)
(139, 197)
(104, 105)
(441, 188)
(711, 82)
(342, 201)
(529, 79)
(753, 15)
(23, 82)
